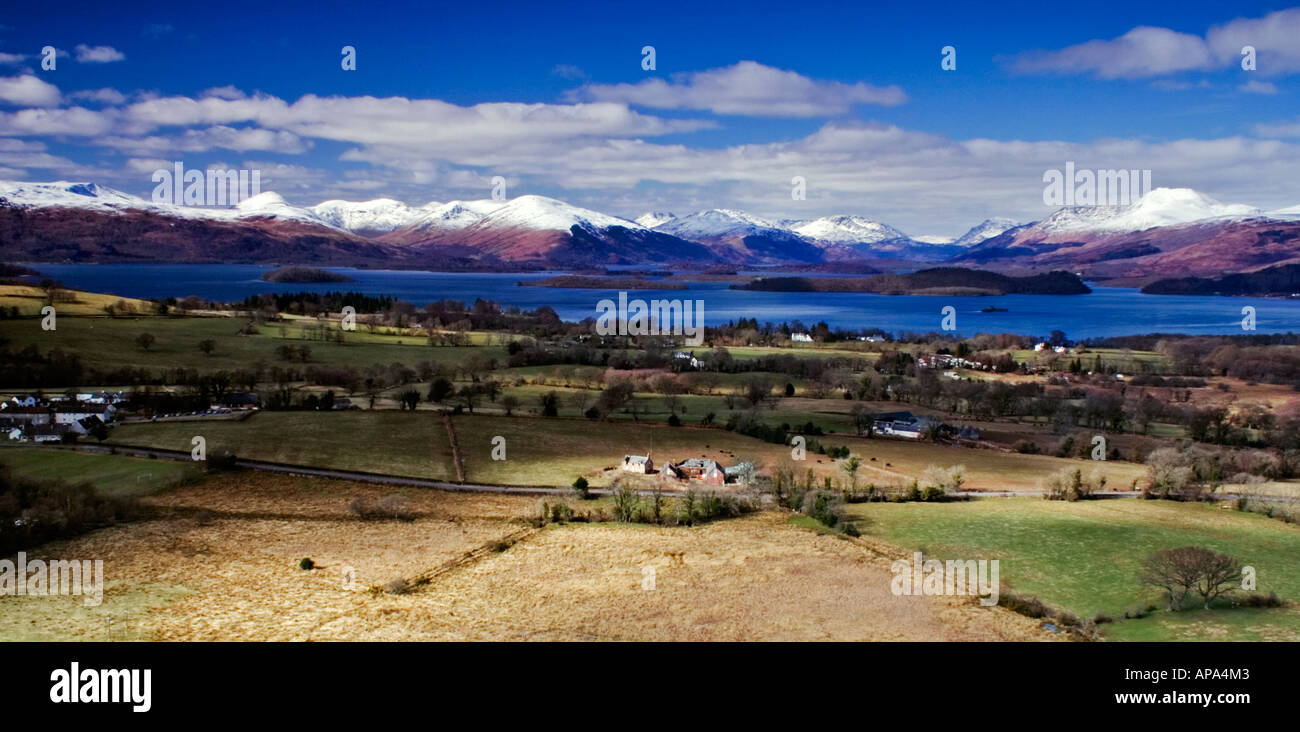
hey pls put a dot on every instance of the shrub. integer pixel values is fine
(306, 563)
(1259, 599)
(674, 421)
(1027, 605)
(220, 461)
(1026, 447)
(580, 487)
(1135, 612)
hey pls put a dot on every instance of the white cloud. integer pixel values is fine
(97, 54)
(1274, 38)
(1278, 129)
(604, 155)
(9, 59)
(1143, 51)
(746, 88)
(1258, 87)
(240, 139)
(75, 121)
(28, 91)
(1146, 51)
(105, 96)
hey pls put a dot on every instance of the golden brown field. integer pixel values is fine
(220, 563)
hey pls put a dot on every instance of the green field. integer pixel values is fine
(108, 343)
(400, 443)
(555, 451)
(1084, 556)
(115, 475)
(538, 451)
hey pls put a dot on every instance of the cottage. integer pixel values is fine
(638, 464)
(801, 338)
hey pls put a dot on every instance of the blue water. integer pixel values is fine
(1108, 311)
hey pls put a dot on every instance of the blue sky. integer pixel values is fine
(850, 96)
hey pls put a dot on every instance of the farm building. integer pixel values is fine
(901, 424)
(638, 464)
(701, 469)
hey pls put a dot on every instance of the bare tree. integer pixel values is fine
(1182, 571)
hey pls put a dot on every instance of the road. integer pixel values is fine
(388, 479)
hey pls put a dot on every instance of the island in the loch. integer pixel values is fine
(947, 281)
(305, 275)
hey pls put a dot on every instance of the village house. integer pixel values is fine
(801, 338)
(946, 361)
(44, 432)
(29, 415)
(698, 469)
(902, 424)
(689, 358)
(71, 414)
(638, 464)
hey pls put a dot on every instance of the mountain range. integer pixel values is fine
(1166, 233)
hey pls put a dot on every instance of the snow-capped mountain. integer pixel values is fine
(268, 205)
(435, 220)
(846, 230)
(1160, 207)
(546, 229)
(986, 229)
(379, 216)
(64, 193)
(717, 222)
(652, 219)
(1168, 232)
(736, 236)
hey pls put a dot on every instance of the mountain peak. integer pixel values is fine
(651, 219)
(1159, 207)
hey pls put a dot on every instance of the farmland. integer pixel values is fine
(220, 563)
(555, 451)
(1085, 556)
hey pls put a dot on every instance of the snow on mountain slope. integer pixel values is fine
(934, 239)
(986, 229)
(370, 217)
(652, 219)
(272, 205)
(1160, 207)
(539, 213)
(64, 193)
(846, 230)
(718, 222)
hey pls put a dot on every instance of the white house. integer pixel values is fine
(801, 338)
(638, 464)
(74, 413)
